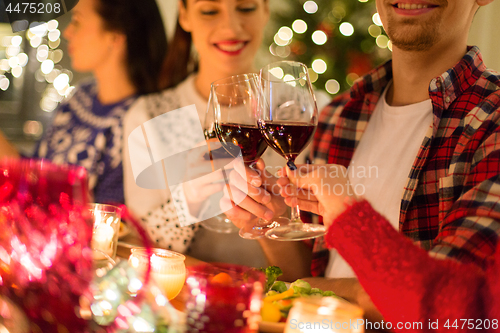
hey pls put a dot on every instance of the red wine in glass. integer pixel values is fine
(287, 138)
(235, 102)
(245, 138)
(287, 122)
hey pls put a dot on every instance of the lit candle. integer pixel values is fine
(105, 233)
(167, 268)
(325, 315)
(102, 240)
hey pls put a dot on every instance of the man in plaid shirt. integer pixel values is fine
(450, 202)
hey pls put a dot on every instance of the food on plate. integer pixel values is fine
(222, 278)
(272, 273)
(279, 297)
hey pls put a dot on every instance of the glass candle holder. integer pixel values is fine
(167, 268)
(105, 232)
(223, 298)
(324, 314)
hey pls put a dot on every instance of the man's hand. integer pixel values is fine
(252, 194)
(320, 189)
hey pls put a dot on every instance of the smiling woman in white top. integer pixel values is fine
(226, 35)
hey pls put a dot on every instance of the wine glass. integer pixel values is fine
(288, 123)
(235, 100)
(219, 223)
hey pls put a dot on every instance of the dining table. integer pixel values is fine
(127, 243)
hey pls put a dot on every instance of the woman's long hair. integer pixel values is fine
(179, 62)
(140, 21)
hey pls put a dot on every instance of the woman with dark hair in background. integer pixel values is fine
(123, 44)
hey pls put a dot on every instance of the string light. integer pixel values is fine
(285, 33)
(47, 66)
(22, 59)
(279, 41)
(4, 82)
(319, 37)
(319, 66)
(48, 55)
(310, 7)
(351, 77)
(54, 35)
(17, 71)
(61, 81)
(382, 41)
(277, 72)
(374, 30)
(346, 29)
(299, 26)
(332, 86)
(16, 40)
(52, 25)
(376, 19)
(313, 76)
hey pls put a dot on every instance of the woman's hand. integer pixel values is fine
(320, 189)
(252, 194)
(204, 178)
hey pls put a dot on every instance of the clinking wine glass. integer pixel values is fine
(288, 122)
(219, 223)
(235, 100)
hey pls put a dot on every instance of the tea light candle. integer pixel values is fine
(103, 239)
(167, 268)
(169, 278)
(325, 315)
(105, 233)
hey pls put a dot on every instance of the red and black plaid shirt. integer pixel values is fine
(451, 202)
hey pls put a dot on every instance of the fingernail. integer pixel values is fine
(269, 215)
(255, 182)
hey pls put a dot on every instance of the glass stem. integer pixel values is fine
(295, 215)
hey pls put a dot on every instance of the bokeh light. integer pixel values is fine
(346, 29)
(285, 33)
(332, 86)
(299, 26)
(310, 7)
(313, 76)
(17, 71)
(61, 81)
(374, 30)
(376, 19)
(277, 72)
(319, 37)
(319, 66)
(382, 41)
(351, 77)
(47, 66)
(16, 40)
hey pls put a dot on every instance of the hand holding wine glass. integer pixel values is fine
(321, 189)
(236, 100)
(288, 123)
(218, 157)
